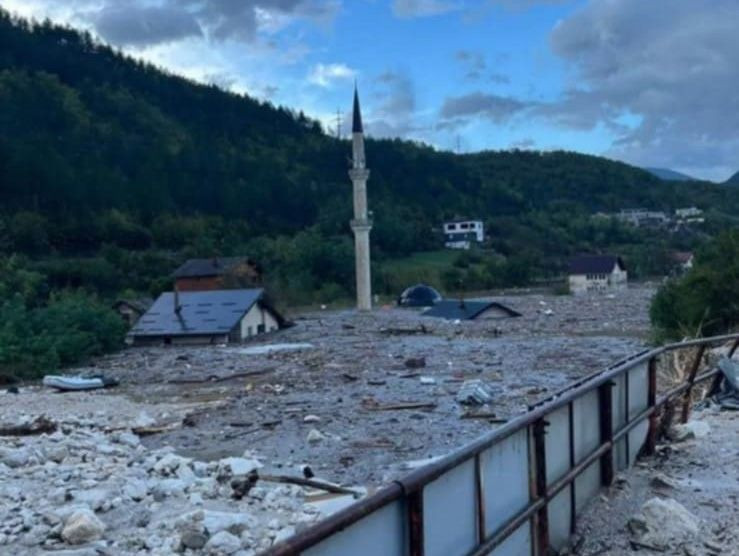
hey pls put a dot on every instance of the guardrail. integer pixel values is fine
(519, 489)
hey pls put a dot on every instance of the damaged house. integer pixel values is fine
(597, 273)
(455, 309)
(206, 317)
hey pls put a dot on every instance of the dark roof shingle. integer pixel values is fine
(595, 264)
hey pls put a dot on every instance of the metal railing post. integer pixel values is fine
(688, 398)
(415, 523)
(480, 500)
(605, 402)
(651, 444)
(540, 481)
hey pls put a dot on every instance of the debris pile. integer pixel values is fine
(82, 487)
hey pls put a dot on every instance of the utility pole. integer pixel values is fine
(339, 116)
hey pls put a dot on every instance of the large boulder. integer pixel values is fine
(82, 526)
(222, 543)
(663, 521)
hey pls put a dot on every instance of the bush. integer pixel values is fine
(705, 301)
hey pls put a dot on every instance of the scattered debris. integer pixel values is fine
(216, 378)
(315, 436)
(690, 430)
(428, 380)
(373, 405)
(492, 417)
(274, 348)
(728, 394)
(415, 362)
(420, 329)
(661, 523)
(311, 419)
(473, 392)
(40, 425)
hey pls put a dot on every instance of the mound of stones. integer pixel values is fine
(81, 490)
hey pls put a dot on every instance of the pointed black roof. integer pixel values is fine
(357, 121)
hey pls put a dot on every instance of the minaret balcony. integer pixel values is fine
(361, 224)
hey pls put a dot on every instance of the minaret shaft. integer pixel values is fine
(361, 225)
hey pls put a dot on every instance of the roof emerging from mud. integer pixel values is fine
(455, 309)
(200, 313)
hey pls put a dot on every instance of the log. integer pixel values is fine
(216, 378)
(40, 425)
(399, 406)
(312, 483)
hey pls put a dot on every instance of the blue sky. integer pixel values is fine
(650, 83)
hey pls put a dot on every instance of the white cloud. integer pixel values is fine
(423, 8)
(325, 75)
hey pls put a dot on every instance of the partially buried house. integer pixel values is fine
(597, 273)
(217, 273)
(206, 317)
(455, 309)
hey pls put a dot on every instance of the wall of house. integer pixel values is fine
(257, 315)
(581, 283)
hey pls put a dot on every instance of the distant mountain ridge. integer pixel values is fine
(666, 174)
(733, 180)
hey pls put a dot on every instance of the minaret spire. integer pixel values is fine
(361, 224)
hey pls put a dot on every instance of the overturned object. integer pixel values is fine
(73, 383)
(419, 295)
(473, 392)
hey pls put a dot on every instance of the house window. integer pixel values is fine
(451, 227)
(260, 329)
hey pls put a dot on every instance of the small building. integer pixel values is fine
(419, 295)
(217, 273)
(131, 310)
(461, 234)
(206, 317)
(462, 309)
(643, 218)
(597, 273)
(683, 261)
(689, 215)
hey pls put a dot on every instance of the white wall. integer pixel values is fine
(256, 316)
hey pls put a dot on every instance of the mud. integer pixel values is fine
(356, 366)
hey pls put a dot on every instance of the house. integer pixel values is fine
(463, 309)
(217, 273)
(643, 218)
(683, 261)
(689, 215)
(206, 317)
(131, 310)
(597, 273)
(461, 234)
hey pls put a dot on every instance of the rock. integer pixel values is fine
(82, 526)
(311, 419)
(14, 457)
(691, 429)
(222, 543)
(234, 523)
(135, 489)
(415, 362)
(663, 521)
(95, 498)
(194, 540)
(228, 467)
(473, 392)
(427, 380)
(315, 436)
(57, 453)
(660, 480)
(170, 463)
(127, 439)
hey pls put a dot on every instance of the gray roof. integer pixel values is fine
(202, 313)
(454, 309)
(214, 266)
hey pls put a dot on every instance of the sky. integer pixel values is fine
(653, 83)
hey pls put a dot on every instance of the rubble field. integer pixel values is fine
(684, 501)
(359, 398)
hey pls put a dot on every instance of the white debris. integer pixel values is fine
(228, 467)
(663, 521)
(222, 543)
(82, 526)
(428, 380)
(315, 436)
(473, 392)
(311, 419)
(273, 348)
(691, 429)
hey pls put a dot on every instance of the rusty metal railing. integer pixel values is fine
(518, 489)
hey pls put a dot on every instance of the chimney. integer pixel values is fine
(177, 306)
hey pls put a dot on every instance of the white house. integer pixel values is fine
(460, 234)
(206, 317)
(597, 273)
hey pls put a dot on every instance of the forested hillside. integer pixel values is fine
(113, 171)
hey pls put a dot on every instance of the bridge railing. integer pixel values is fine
(518, 490)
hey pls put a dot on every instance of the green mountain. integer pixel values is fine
(112, 171)
(669, 175)
(733, 180)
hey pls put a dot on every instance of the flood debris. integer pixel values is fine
(474, 392)
(415, 362)
(662, 523)
(40, 425)
(65, 383)
(728, 390)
